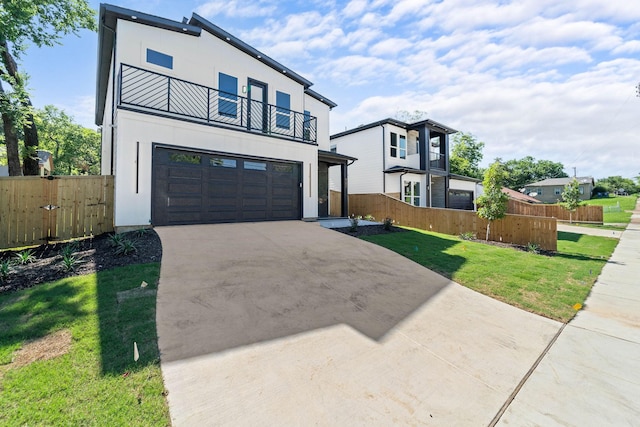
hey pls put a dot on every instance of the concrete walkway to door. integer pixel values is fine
(289, 323)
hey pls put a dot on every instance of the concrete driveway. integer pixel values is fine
(289, 323)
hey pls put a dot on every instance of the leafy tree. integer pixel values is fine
(616, 183)
(493, 202)
(75, 149)
(410, 117)
(43, 23)
(571, 197)
(527, 170)
(466, 155)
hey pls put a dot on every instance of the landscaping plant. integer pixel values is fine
(571, 198)
(25, 257)
(493, 203)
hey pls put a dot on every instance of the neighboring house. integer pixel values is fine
(45, 162)
(550, 190)
(521, 197)
(408, 161)
(200, 127)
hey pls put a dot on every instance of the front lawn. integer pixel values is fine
(616, 209)
(89, 323)
(546, 285)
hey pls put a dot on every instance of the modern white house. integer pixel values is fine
(408, 161)
(199, 127)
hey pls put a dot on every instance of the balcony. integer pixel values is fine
(153, 93)
(437, 161)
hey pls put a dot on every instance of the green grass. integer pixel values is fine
(613, 214)
(549, 286)
(97, 382)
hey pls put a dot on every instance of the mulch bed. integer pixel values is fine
(93, 255)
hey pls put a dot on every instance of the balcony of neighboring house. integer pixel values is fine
(149, 92)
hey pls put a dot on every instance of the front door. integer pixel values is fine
(257, 106)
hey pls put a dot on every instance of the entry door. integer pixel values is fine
(258, 104)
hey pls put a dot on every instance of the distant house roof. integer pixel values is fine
(516, 195)
(109, 15)
(561, 182)
(464, 178)
(409, 126)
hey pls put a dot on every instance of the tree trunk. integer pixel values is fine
(30, 158)
(488, 227)
(10, 139)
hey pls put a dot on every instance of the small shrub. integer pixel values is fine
(140, 232)
(69, 262)
(69, 249)
(354, 222)
(469, 235)
(125, 247)
(115, 239)
(25, 257)
(5, 269)
(387, 223)
(533, 248)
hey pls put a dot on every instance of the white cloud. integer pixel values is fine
(390, 47)
(235, 9)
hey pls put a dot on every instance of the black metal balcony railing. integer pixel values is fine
(145, 90)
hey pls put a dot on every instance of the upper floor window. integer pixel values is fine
(394, 145)
(283, 112)
(159, 58)
(228, 97)
(557, 191)
(403, 147)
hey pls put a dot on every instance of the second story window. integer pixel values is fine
(394, 145)
(159, 58)
(403, 147)
(283, 112)
(228, 96)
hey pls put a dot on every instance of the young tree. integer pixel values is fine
(43, 23)
(493, 202)
(466, 155)
(571, 197)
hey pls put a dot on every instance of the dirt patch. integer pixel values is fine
(92, 255)
(45, 348)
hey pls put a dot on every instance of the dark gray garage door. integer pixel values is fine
(202, 188)
(460, 199)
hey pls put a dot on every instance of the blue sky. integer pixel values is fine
(553, 80)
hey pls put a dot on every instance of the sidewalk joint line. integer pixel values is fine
(522, 382)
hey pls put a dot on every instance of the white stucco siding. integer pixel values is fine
(201, 59)
(321, 111)
(410, 160)
(134, 209)
(365, 175)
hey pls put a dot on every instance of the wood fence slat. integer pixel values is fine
(585, 213)
(84, 207)
(517, 229)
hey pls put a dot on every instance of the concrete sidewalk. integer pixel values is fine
(588, 230)
(591, 375)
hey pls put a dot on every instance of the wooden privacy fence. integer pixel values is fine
(36, 210)
(517, 229)
(585, 213)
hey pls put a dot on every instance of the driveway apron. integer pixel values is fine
(289, 323)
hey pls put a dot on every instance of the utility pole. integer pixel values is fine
(574, 172)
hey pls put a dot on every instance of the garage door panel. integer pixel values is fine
(192, 188)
